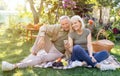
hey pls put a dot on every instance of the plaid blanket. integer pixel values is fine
(110, 60)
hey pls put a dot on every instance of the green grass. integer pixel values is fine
(14, 49)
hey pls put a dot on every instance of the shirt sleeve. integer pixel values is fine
(88, 31)
(43, 31)
(48, 29)
(71, 35)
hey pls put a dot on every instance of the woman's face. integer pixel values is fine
(76, 25)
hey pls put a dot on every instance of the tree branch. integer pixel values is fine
(32, 6)
(40, 8)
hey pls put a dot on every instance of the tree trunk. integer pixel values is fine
(100, 20)
(35, 13)
(36, 18)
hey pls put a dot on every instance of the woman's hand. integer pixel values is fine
(93, 59)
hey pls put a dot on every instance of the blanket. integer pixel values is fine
(110, 60)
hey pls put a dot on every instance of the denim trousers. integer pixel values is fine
(82, 55)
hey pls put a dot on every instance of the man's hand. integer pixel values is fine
(66, 44)
(39, 45)
(33, 53)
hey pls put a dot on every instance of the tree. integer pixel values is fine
(36, 12)
(103, 3)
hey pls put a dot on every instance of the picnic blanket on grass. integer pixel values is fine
(110, 60)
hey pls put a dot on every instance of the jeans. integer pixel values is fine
(82, 55)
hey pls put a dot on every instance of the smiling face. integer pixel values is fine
(65, 23)
(76, 25)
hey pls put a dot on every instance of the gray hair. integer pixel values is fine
(64, 17)
(77, 17)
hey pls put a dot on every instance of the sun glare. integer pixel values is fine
(12, 4)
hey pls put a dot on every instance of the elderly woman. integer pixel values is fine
(81, 48)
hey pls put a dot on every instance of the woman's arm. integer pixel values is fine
(89, 44)
(90, 48)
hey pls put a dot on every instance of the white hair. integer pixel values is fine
(64, 17)
(78, 18)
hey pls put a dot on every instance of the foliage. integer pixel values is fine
(79, 7)
(70, 4)
(25, 17)
(111, 35)
(18, 23)
(116, 25)
(36, 11)
(115, 2)
(114, 31)
(105, 3)
(53, 9)
(15, 31)
(50, 12)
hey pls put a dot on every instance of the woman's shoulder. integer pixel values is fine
(87, 30)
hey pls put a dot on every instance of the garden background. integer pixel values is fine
(17, 15)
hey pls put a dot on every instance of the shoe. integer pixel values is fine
(73, 64)
(7, 66)
(49, 64)
(58, 67)
(108, 67)
(76, 63)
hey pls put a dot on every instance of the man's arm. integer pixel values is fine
(68, 47)
(43, 31)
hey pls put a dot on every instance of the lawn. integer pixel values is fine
(14, 48)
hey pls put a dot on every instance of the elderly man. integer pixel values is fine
(49, 45)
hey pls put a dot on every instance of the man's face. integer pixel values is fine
(65, 23)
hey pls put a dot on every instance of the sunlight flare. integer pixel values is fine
(18, 73)
(115, 51)
(20, 43)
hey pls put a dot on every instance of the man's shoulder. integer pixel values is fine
(57, 25)
(54, 25)
(50, 26)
